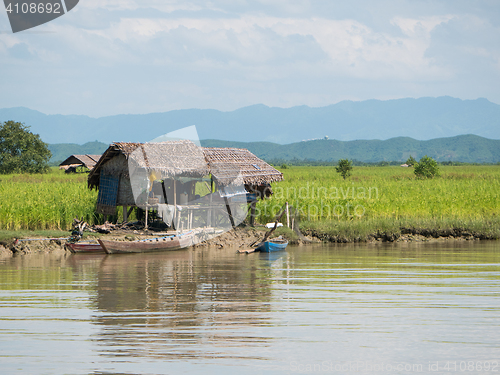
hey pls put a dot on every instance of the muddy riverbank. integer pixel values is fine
(241, 238)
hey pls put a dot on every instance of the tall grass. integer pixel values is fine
(48, 201)
(377, 196)
(373, 198)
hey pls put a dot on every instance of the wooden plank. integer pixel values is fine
(247, 251)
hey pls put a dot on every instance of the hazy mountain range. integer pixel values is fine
(420, 119)
(464, 148)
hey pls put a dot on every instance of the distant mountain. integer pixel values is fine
(463, 148)
(422, 119)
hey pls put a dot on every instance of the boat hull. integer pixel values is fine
(271, 246)
(85, 247)
(168, 243)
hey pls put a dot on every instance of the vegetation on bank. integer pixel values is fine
(385, 201)
(393, 230)
(389, 199)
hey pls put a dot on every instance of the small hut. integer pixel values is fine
(169, 161)
(170, 171)
(71, 164)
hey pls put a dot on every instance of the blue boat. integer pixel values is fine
(276, 244)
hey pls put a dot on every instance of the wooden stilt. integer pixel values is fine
(229, 212)
(164, 192)
(174, 217)
(252, 213)
(287, 216)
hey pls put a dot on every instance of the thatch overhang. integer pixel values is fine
(167, 159)
(233, 166)
(88, 161)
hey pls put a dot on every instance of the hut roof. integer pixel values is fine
(169, 159)
(88, 161)
(229, 165)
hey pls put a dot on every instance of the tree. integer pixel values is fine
(22, 151)
(344, 168)
(427, 167)
(411, 161)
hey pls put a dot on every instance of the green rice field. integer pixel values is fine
(372, 199)
(389, 198)
(45, 201)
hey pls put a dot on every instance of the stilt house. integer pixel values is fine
(173, 170)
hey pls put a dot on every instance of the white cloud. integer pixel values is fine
(350, 46)
(224, 54)
(423, 27)
(160, 5)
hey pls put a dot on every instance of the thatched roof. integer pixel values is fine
(167, 159)
(228, 166)
(88, 161)
(238, 165)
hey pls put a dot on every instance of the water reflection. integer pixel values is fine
(180, 304)
(213, 310)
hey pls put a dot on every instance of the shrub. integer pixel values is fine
(427, 167)
(344, 168)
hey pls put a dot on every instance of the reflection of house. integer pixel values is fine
(75, 161)
(168, 172)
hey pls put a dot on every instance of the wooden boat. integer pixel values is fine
(85, 247)
(172, 242)
(275, 244)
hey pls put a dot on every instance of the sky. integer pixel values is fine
(108, 57)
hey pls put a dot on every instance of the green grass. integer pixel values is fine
(388, 229)
(45, 201)
(389, 200)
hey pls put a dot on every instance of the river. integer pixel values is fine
(364, 309)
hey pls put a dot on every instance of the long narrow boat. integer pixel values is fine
(276, 244)
(85, 247)
(172, 242)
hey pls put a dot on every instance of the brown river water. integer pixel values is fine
(424, 308)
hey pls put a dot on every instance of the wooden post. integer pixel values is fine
(211, 212)
(146, 220)
(252, 213)
(174, 216)
(287, 216)
(164, 192)
(229, 212)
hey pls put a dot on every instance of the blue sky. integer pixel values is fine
(109, 57)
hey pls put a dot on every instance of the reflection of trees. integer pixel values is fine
(169, 304)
